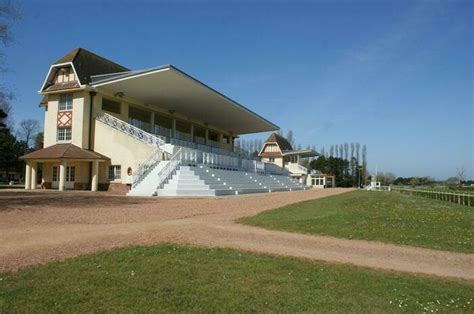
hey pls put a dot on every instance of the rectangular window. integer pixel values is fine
(271, 159)
(70, 173)
(110, 105)
(114, 172)
(54, 177)
(64, 134)
(65, 102)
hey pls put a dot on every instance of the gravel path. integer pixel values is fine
(39, 227)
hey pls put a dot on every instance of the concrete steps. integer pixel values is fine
(204, 181)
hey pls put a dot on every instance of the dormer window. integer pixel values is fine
(65, 102)
(65, 75)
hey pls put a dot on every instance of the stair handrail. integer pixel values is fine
(147, 166)
(130, 130)
(170, 168)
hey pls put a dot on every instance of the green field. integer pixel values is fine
(380, 216)
(174, 278)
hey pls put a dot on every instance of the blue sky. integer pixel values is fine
(395, 75)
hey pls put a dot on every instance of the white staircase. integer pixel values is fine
(206, 181)
(148, 185)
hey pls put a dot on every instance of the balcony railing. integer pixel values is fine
(296, 168)
(130, 130)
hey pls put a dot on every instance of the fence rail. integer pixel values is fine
(466, 199)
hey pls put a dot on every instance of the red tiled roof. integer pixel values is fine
(64, 151)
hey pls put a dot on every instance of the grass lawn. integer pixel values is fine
(174, 278)
(381, 216)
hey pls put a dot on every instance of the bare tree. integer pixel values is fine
(290, 138)
(357, 145)
(346, 151)
(8, 13)
(27, 131)
(461, 175)
(331, 151)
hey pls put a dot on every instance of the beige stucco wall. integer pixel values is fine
(278, 161)
(122, 149)
(50, 117)
(82, 170)
(80, 120)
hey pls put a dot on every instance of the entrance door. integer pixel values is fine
(70, 177)
(55, 177)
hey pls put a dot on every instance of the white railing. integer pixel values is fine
(147, 166)
(274, 169)
(169, 169)
(130, 130)
(296, 168)
(460, 198)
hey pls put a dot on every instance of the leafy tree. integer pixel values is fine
(414, 181)
(10, 151)
(39, 141)
(364, 164)
(333, 166)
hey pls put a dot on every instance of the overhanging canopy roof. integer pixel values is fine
(302, 153)
(174, 90)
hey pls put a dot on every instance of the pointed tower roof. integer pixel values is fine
(87, 64)
(280, 140)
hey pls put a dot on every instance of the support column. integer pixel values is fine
(231, 138)
(206, 136)
(173, 128)
(219, 139)
(27, 176)
(62, 176)
(152, 123)
(34, 168)
(95, 176)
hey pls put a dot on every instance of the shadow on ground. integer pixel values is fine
(21, 200)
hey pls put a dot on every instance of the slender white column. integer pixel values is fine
(34, 166)
(152, 123)
(173, 128)
(27, 176)
(95, 176)
(62, 176)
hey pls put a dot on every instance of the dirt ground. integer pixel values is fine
(43, 226)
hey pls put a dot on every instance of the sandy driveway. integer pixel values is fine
(38, 227)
